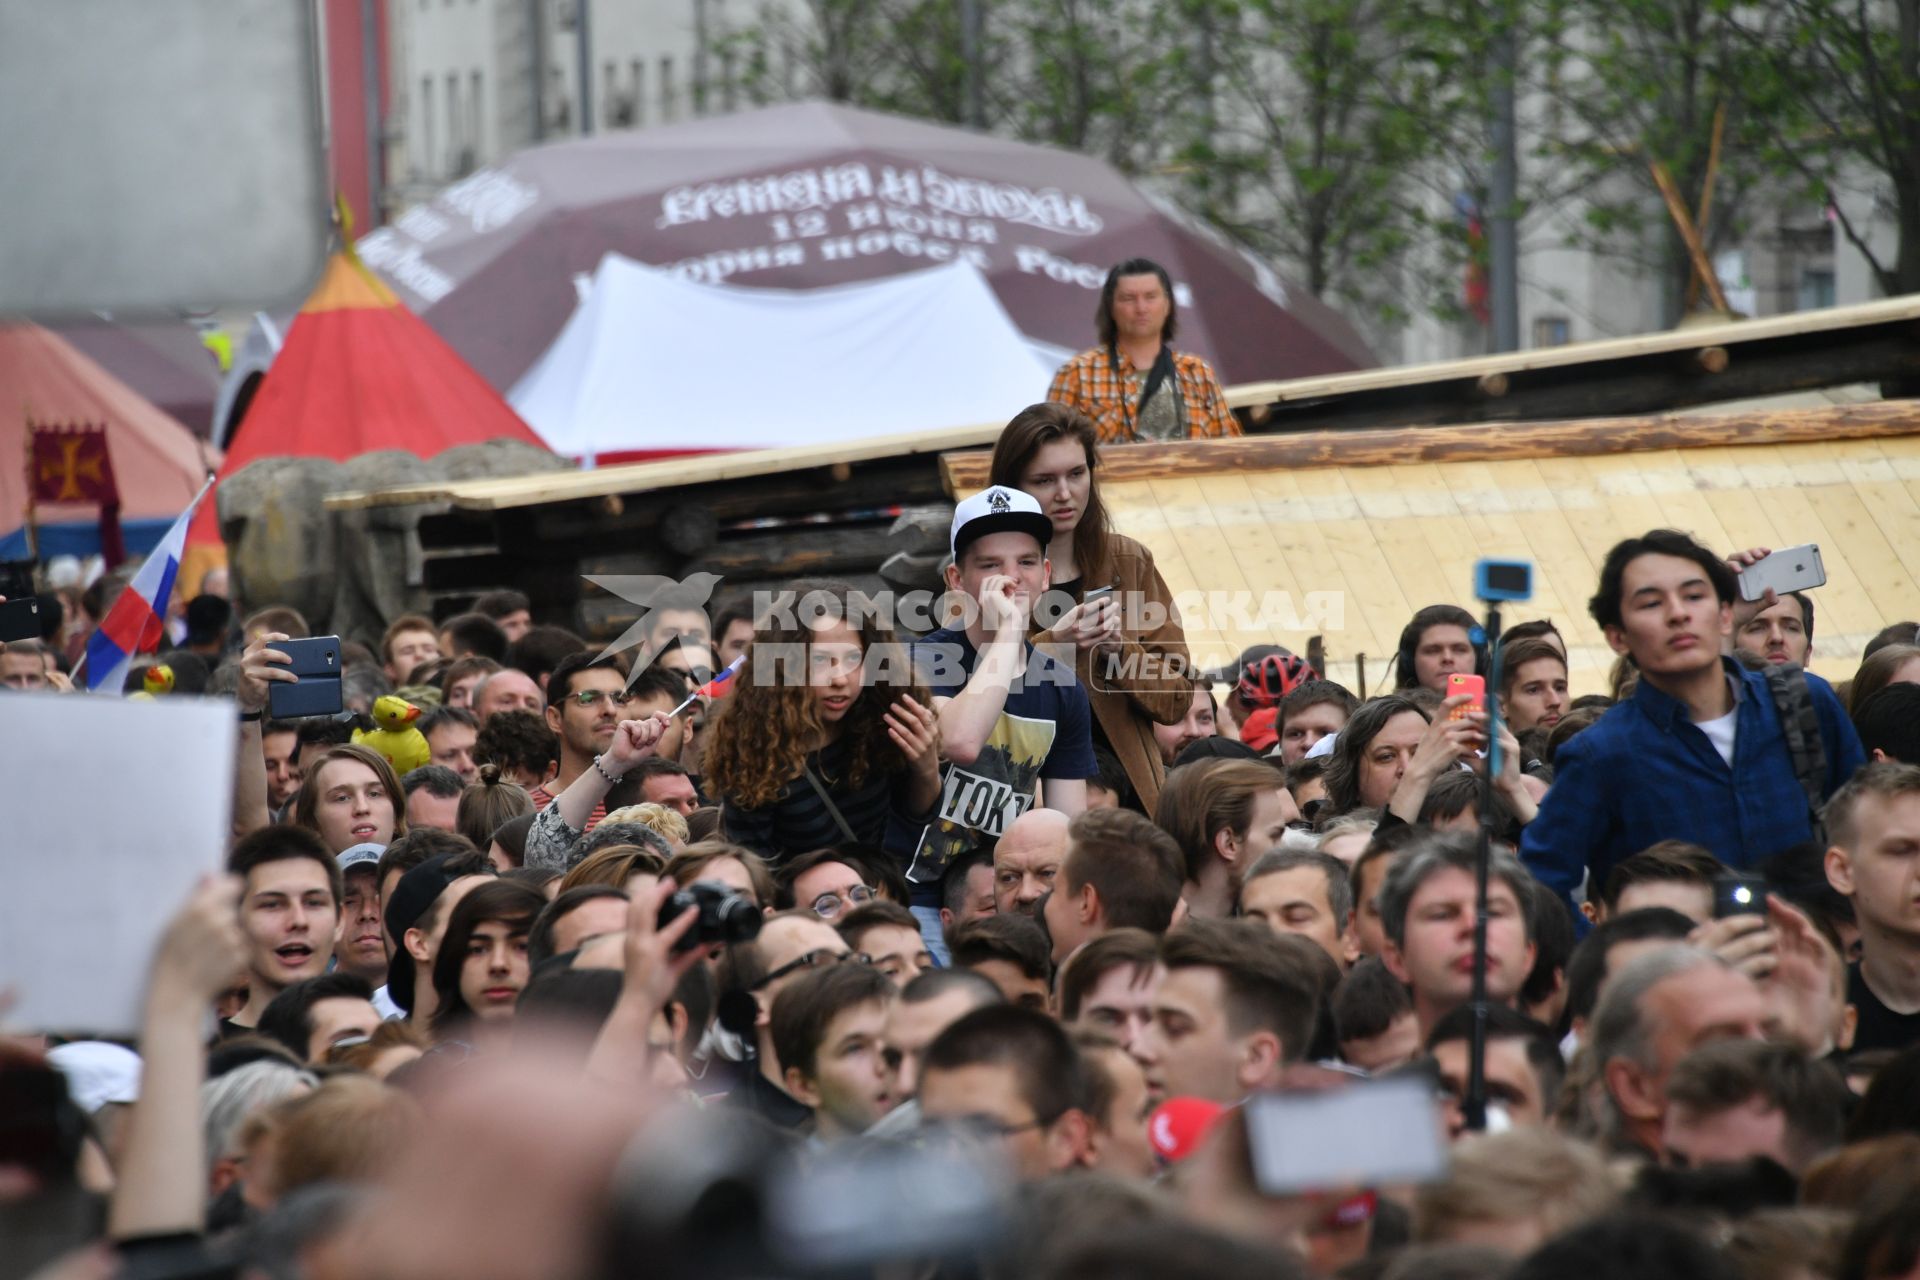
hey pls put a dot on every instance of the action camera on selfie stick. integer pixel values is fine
(1494, 582)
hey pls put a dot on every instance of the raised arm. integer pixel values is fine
(259, 667)
(653, 968)
(968, 717)
(633, 741)
(162, 1177)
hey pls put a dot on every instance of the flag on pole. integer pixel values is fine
(712, 687)
(138, 619)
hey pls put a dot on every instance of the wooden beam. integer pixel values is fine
(967, 472)
(1710, 360)
(1624, 387)
(1705, 212)
(1690, 236)
(1733, 333)
(500, 492)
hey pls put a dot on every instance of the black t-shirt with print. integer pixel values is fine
(1044, 731)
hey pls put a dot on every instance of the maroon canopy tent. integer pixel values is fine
(810, 195)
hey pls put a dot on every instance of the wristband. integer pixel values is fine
(252, 717)
(602, 771)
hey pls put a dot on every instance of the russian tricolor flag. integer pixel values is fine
(137, 621)
(714, 686)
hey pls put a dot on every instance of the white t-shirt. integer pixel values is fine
(1720, 733)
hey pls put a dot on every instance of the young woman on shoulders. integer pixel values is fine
(1130, 653)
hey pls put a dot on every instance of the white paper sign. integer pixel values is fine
(110, 812)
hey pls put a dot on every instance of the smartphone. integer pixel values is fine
(1096, 594)
(1793, 569)
(1369, 1134)
(317, 663)
(1739, 893)
(1458, 684)
(20, 619)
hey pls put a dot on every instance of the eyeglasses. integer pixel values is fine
(590, 698)
(829, 905)
(812, 960)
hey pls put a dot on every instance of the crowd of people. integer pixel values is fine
(964, 952)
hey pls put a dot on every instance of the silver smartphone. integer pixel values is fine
(1370, 1134)
(1790, 569)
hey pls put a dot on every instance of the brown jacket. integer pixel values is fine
(1127, 708)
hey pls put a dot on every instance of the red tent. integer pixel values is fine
(360, 372)
(158, 465)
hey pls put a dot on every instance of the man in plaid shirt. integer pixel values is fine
(1134, 385)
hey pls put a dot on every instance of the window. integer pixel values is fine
(639, 92)
(1816, 288)
(729, 82)
(455, 126)
(476, 117)
(666, 89)
(1551, 331)
(426, 127)
(610, 113)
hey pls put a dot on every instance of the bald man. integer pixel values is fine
(1027, 859)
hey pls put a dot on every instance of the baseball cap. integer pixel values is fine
(416, 891)
(999, 510)
(97, 1072)
(1261, 729)
(360, 855)
(1178, 1126)
(1214, 748)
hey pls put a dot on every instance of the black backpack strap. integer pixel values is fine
(1800, 725)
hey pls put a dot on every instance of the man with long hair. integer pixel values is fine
(1134, 385)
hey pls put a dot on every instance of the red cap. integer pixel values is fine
(1178, 1126)
(1351, 1212)
(1261, 729)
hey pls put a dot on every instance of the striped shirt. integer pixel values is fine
(799, 822)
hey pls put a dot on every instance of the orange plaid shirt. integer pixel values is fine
(1088, 383)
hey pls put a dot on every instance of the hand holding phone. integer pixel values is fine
(1474, 687)
(315, 690)
(1789, 569)
(1096, 620)
(1739, 893)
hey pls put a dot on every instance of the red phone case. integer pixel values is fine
(1475, 685)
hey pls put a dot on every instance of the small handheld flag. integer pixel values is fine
(138, 619)
(711, 687)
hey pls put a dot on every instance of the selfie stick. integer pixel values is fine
(1494, 581)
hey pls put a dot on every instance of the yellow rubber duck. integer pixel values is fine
(158, 680)
(404, 746)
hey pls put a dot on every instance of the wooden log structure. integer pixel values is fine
(966, 472)
(848, 509)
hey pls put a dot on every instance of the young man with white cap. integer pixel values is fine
(1015, 726)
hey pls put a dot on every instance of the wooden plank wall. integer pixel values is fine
(1385, 540)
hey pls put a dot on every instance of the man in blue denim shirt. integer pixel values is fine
(1697, 753)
